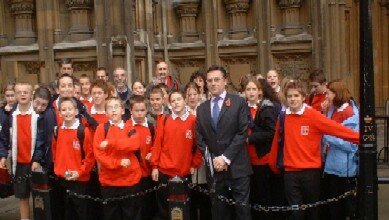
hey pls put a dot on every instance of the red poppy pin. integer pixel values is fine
(228, 102)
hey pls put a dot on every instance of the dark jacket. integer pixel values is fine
(264, 126)
(229, 138)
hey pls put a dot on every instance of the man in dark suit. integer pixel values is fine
(221, 126)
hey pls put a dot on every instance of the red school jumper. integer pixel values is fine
(67, 153)
(122, 144)
(24, 139)
(174, 151)
(146, 142)
(317, 100)
(303, 133)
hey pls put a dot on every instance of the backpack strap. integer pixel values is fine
(281, 139)
(81, 137)
(152, 129)
(310, 99)
(106, 128)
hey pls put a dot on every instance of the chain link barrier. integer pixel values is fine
(259, 208)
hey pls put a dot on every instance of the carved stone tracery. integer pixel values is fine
(291, 16)
(33, 67)
(237, 10)
(79, 19)
(187, 12)
(23, 12)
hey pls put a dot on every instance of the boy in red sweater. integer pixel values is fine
(297, 150)
(317, 97)
(157, 107)
(99, 95)
(23, 126)
(174, 152)
(86, 97)
(73, 158)
(119, 169)
(145, 130)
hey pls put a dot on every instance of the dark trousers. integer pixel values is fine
(93, 189)
(237, 189)
(345, 207)
(200, 205)
(261, 190)
(129, 208)
(302, 187)
(75, 208)
(148, 202)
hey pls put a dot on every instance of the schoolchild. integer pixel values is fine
(86, 97)
(157, 108)
(264, 107)
(296, 148)
(73, 158)
(116, 146)
(146, 132)
(174, 152)
(341, 163)
(99, 92)
(19, 133)
(317, 96)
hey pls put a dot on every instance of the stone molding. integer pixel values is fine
(237, 10)
(187, 12)
(283, 4)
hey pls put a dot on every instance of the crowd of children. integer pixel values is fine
(98, 145)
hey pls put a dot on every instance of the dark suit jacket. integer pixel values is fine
(229, 137)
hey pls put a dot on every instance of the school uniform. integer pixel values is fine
(68, 154)
(174, 153)
(88, 102)
(301, 154)
(145, 131)
(19, 132)
(115, 180)
(315, 100)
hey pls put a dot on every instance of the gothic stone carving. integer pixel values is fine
(33, 67)
(296, 65)
(237, 10)
(187, 12)
(291, 15)
(23, 11)
(79, 19)
(90, 66)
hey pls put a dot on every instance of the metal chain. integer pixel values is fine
(119, 198)
(261, 208)
(20, 179)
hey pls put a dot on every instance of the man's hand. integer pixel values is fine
(192, 170)
(219, 164)
(3, 163)
(35, 166)
(155, 175)
(125, 163)
(103, 144)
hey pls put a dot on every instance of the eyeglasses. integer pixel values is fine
(22, 92)
(113, 107)
(216, 80)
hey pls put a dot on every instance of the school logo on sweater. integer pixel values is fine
(148, 140)
(76, 144)
(188, 134)
(304, 130)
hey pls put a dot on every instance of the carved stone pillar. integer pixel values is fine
(237, 10)
(385, 3)
(187, 10)
(80, 28)
(23, 10)
(291, 16)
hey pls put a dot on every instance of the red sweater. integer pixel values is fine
(67, 153)
(340, 116)
(100, 118)
(120, 146)
(24, 139)
(317, 100)
(146, 143)
(303, 135)
(251, 147)
(174, 151)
